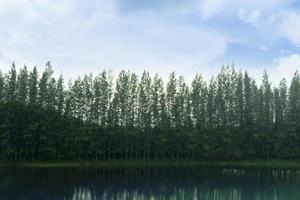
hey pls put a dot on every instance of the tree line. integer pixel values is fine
(229, 117)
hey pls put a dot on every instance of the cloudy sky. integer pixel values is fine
(188, 36)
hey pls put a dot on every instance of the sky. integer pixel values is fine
(186, 36)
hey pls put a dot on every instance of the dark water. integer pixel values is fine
(159, 183)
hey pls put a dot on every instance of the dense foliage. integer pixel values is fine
(229, 117)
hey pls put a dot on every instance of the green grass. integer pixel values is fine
(271, 164)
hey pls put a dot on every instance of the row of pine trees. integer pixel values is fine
(131, 117)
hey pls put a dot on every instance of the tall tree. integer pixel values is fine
(60, 95)
(294, 102)
(220, 100)
(22, 86)
(158, 103)
(248, 96)
(239, 100)
(33, 87)
(44, 84)
(211, 104)
(144, 107)
(77, 98)
(121, 98)
(133, 101)
(280, 105)
(171, 91)
(182, 105)
(2, 87)
(98, 118)
(88, 97)
(283, 92)
(11, 85)
(198, 101)
(51, 94)
(267, 102)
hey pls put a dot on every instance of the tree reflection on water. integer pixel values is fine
(149, 183)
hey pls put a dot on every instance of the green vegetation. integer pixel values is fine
(256, 164)
(230, 117)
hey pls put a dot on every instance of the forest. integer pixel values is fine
(141, 117)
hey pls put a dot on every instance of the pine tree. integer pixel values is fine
(211, 104)
(44, 84)
(259, 108)
(5, 145)
(77, 98)
(239, 101)
(22, 86)
(248, 97)
(68, 113)
(144, 106)
(51, 94)
(2, 88)
(231, 88)
(187, 115)
(220, 100)
(114, 112)
(255, 103)
(133, 101)
(96, 110)
(198, 101)
(283, 92)
(11, 85)
(121, 98)
(88, 97)
(267, 102)
(280, 105)
(60, 95)
(33, 87)
(182, 105)
(164, 120)
(231, 118)
(294, 102)
(157, 95)
(171, 91)
(106, 93)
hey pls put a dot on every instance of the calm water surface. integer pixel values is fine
(158, 183)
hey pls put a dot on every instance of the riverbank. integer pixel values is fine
(271, 164)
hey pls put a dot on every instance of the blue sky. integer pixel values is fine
(188, 36)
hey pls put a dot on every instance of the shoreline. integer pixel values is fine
(255, 164)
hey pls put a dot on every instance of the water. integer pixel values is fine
(152, 183)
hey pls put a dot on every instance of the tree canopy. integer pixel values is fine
(98, 117)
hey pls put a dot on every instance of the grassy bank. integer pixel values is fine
(271, 164)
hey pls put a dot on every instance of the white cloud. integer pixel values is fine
(80, 38)
(278, 23)
(290, 27)
(251, 17)
(249, 10)
(264, 48)
(209, 8)
(7, 58)
(87, 36)
(285, 67)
